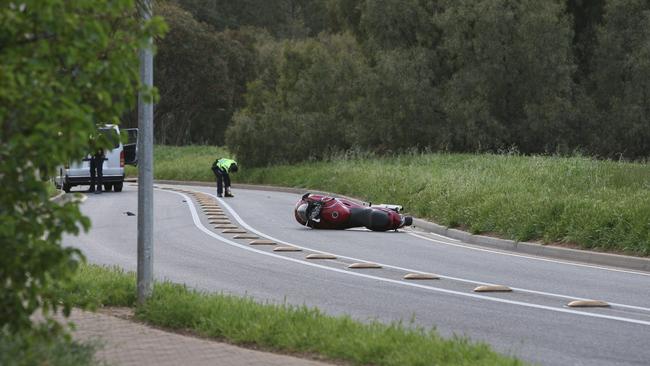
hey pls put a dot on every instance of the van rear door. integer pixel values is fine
(112, 165)
(131, 146)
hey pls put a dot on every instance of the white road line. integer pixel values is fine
(442, 237)
(527, 256)
(199, 225)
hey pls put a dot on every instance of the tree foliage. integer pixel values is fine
(282, 18)
(201, 75)
(64, 67)
(483, 75)
(304, 112)
(621, 79)
(511, 73)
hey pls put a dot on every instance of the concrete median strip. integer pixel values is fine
(493, 288)
(320, 256)
(421, 276)
(364, 265)
(588, 304)
(287, 249)
(262, 242)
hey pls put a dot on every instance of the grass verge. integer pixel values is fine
(593, 204)
(281, 328)
(189, 162)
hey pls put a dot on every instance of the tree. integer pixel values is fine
(399, 108)
(282, 18)
(587, 16)
(512, 73)
(304, 111)
(201, 75)
(65, 66)
(621, 80)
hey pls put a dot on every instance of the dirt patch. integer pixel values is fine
(118, 312)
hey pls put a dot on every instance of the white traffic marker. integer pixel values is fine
(287, 249)
(493, 288)
(421, 276)
(320, 256)
(588, 304)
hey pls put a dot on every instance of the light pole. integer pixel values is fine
(145, 167)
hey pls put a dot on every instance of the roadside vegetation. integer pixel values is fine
(592, 204)
(291, 80)
(277, 327)
(64, 66)
(38, 348)
(189, 162)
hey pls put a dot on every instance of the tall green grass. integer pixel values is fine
(189, 162)
(285, 328)
(595, 204)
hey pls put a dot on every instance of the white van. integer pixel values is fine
(78, 172)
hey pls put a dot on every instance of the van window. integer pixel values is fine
(132, 136)
(111, 135)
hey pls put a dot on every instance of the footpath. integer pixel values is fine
(123, 342)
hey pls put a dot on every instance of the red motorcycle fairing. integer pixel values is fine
(324, 212)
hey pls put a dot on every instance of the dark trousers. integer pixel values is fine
(96, 174)
(222, 178)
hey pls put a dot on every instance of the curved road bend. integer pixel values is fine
(532, 322)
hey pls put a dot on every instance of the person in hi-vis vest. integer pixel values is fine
(222, 169)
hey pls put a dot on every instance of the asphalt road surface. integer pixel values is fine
(532, 322)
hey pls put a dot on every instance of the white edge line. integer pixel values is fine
(526, 256)
(199, 225)
(441, 236)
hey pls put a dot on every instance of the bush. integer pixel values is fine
(65, 66)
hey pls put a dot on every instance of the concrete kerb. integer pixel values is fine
(583, 256)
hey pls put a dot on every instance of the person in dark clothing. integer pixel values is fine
(222, 169)
(96, 173)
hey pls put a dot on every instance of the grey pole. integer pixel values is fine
(145, 169)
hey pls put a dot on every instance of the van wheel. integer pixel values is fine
(118, 186)
(107, 187)
(66, 187)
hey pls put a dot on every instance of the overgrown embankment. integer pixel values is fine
(602, 205)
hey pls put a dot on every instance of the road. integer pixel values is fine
(532, 322)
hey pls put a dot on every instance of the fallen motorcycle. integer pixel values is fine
(325, 212)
